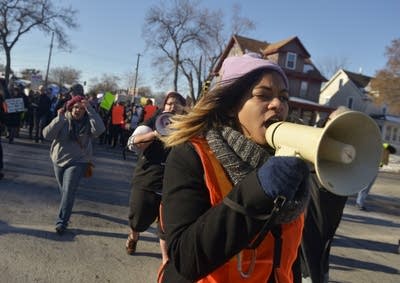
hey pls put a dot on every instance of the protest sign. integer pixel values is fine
(15, 105)
(108, 100)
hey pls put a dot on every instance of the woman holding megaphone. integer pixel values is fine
(146, 187)
(233, 212)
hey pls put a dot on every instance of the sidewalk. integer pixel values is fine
(393, 166)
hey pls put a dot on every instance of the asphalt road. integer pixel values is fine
(365, 248)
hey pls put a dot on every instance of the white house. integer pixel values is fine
(353, 91)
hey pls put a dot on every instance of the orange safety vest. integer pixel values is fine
(117, 115)
(219, 186)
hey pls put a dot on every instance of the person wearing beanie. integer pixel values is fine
(71, 150)
(77, 90)
(232, 211)
(146, 188)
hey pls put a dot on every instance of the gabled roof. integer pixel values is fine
(248, 44)
(245, 44)
(275, 47)
(262, 47)
(361, 81)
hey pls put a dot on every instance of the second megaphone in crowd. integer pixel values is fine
(162, 123)
(346, 153)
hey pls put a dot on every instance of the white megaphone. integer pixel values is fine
(346, 153)
(162, 123)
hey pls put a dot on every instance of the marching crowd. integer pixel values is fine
(227, 209)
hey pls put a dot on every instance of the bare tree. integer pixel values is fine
(171, 29)
(188, 39)
(106, 83)
(330, 65)
(386, 84)
(18, 17)
(64, 75)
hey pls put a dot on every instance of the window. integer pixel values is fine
(340, 83)
(291, 60)
(350, 102)
(303, 89)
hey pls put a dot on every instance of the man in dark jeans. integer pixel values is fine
(41, 115)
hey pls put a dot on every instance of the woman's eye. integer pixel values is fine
(284, 99)
(264, 96)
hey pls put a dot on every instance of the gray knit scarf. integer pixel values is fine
(239, 156)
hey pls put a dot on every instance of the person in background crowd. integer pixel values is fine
(77, 90)
(363, 194)
(63, 97)
(104, 138)
(231, 211)
(323, 217)
(29, 116)
(71, 150)
(146, 188)
(2, 121)
(149, 110)
(13, 120)
(117, 123)
(94, 101)
(42, 113)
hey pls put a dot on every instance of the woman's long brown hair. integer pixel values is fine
(214, 109)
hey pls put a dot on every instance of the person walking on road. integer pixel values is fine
(41, 113)
(232, 212)
(71, 150)
(363, 194)
(146, 188)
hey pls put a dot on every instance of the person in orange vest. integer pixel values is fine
(233, 212)
(149, 110)
(117, 123)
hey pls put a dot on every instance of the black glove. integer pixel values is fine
(282, 176)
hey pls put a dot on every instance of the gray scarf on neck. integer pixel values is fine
(239, 156)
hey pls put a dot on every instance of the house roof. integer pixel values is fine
(245, 44)
(275, 47)
(248, 44)
(359, 80)
(264, 48)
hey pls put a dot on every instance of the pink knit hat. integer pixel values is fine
(72, 101)
(238, 66)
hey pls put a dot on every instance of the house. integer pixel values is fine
(353, 91)
(304, 78)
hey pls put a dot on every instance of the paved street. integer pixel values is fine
(365, 248)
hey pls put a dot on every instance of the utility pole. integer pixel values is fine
(48, 62)
(136, 71)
